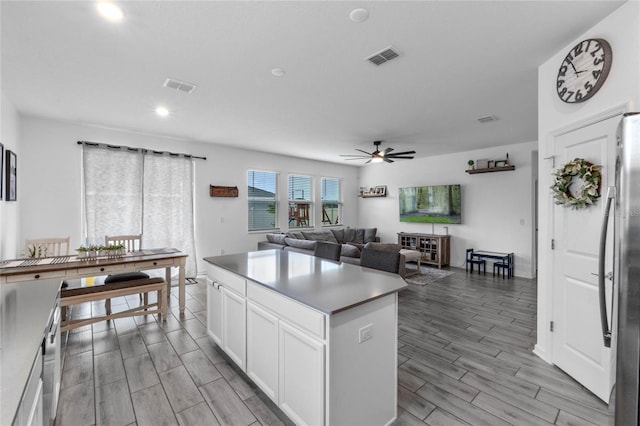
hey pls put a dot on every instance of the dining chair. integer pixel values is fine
(470, 260)
(327, 250)
(131, 243)
(383, 260)
(47, 247)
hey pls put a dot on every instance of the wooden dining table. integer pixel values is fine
(69, 267)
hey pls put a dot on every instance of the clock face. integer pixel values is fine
(584, 70)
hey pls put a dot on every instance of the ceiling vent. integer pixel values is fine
(487, 119)
(182, 86)
(383, 56)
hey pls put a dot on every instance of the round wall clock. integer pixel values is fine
(584, 70)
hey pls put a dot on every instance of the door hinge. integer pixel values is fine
(553, 244)
(551, 326)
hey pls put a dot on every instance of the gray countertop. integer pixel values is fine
(327, 286)
(24, 314)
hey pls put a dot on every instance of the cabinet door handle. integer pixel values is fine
(101, 269)
(155, 263)
(37, 276)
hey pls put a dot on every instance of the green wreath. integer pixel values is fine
(588, 193)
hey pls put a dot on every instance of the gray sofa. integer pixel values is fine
(353, 240)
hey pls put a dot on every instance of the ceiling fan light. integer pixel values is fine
(376, 159)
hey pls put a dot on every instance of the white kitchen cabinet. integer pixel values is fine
(214, 311)
(234, 327)
(226, 313)
(262, 349)
(301, 361)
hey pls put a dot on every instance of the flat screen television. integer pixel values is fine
(431, 204)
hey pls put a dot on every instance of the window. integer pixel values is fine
(331, 204)
(262, 191)
(128, 192)
(300, 202)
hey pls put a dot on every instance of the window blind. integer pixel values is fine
(262, 192)
(331, 204)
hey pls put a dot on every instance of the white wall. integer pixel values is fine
(51, 176)
(9, 211)
(496, 207)
(620, 91)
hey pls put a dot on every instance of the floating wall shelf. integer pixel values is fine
(491, 169)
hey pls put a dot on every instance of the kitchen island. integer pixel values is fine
(26, 310)
(319, 337)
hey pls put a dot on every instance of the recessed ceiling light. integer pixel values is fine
(162, 111)
(278, 72)
(110, 11)
(359, 15)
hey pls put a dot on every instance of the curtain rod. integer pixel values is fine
(142, 150)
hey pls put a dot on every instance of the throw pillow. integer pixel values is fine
(349, 234)
(338, 235)
(349, 250)
(277, 238)
(356, 245)
(353, 235)
(295, 234)
(370, 234)
(359, 236)
(302, 244)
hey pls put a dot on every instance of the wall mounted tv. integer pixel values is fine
(431, 204)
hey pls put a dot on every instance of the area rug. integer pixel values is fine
(428, 275)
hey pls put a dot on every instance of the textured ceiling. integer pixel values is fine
(460, 60)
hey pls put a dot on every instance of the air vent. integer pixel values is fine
(383, 56)
(182, 86)
(487, 119)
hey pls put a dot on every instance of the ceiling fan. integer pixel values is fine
(378, 156)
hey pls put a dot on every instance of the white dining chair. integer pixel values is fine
(47, 247)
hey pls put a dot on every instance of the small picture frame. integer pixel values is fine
(11, 175)
(491, 164)
(501, 163)
(482, 164)
(375, 191)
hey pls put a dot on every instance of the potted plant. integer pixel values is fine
(470, 163)
(82, 252)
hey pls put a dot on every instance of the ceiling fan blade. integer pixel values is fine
(387, 150)
(367, 162)
(402, 153)
(387, 160)
(351, 159)
(368, 153)
(355, 155)
(403, 157)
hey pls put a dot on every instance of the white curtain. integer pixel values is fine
(128, 192)
(112, 193)
(168, 206)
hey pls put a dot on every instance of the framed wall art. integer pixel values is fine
(11, 176)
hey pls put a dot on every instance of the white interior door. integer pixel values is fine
(577, 341)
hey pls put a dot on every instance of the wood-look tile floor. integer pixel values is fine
(464, 357)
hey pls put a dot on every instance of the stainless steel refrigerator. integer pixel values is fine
(620, 313)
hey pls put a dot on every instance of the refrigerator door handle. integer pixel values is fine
(606, 329)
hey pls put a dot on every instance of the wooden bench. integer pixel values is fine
(75, 295)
